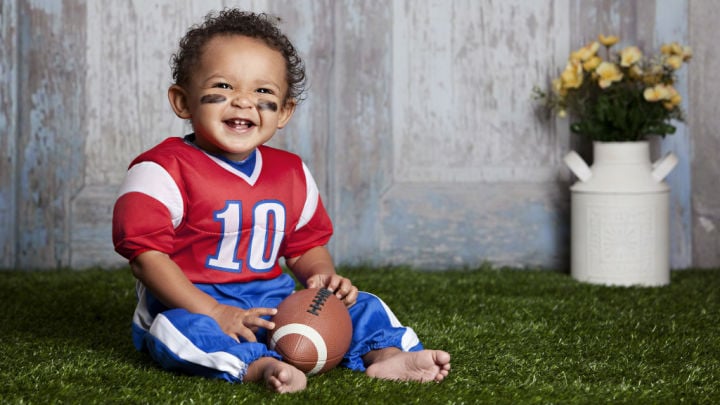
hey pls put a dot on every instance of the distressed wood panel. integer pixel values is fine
(8, 131)
(461, 84)
(671, 22)
(51, 120)
(418, 124)
(450, 225)
(361, 137)
(91, 238)
(704, 124)
(476, 176)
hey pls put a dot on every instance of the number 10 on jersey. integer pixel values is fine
(265, 236)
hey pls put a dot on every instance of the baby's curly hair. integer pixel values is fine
(235, 22)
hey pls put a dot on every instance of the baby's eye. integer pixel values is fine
(265, 91)
(222, 86)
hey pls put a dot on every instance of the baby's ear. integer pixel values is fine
(179, 101)
(286, 112)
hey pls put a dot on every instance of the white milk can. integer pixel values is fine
(620, 216)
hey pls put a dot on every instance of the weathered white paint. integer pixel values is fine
(418, 126)
(8, 131)
(461, 104)
(49, 135)
(704, 130)
(360, 140)
(671, 18)
(468, 153)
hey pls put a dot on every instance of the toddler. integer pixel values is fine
(204, 219)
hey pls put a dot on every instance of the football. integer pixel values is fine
(312, 330)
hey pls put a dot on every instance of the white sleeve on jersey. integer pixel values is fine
(311, 199)
(153, 180)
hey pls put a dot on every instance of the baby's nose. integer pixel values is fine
(243, 101)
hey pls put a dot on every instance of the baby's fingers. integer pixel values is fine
(351, 297)
(317, 281)
(258, 312)
(246, 334)
(336, 285)
(254, 319)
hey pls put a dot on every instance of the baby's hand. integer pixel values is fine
(341, 286)
(242, 323)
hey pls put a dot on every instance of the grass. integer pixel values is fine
(515, 337)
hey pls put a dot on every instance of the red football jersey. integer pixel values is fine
(219, 222)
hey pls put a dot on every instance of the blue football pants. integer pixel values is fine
(194, 344)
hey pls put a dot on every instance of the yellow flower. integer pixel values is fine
(636, 72)
(586, 52)
(687, 53)
(652, 79)
(557, 86)
(674, 98)
(671, 49)
(572, 76)
(629, 56)
(669, 105)
(609, 40)
(674, 62)
(658, 92)
(592, 79)
(591, 63)
(653, 75)
(607, 74)
(676, 49)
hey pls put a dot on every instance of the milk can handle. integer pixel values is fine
(664, 166)
(578, 166)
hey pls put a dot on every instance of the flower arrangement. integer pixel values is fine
(624, 97)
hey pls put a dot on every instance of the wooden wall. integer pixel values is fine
(703, 124)
(43, 110)
(419, 126)
(8, 131)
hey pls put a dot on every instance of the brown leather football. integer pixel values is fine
(312, 330)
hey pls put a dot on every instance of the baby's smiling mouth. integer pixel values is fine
(239, 123)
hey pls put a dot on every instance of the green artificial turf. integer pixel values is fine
(515, 337)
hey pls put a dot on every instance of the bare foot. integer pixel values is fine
(422, 366)
(278, 376)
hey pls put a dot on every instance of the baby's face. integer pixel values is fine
(235, 98)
